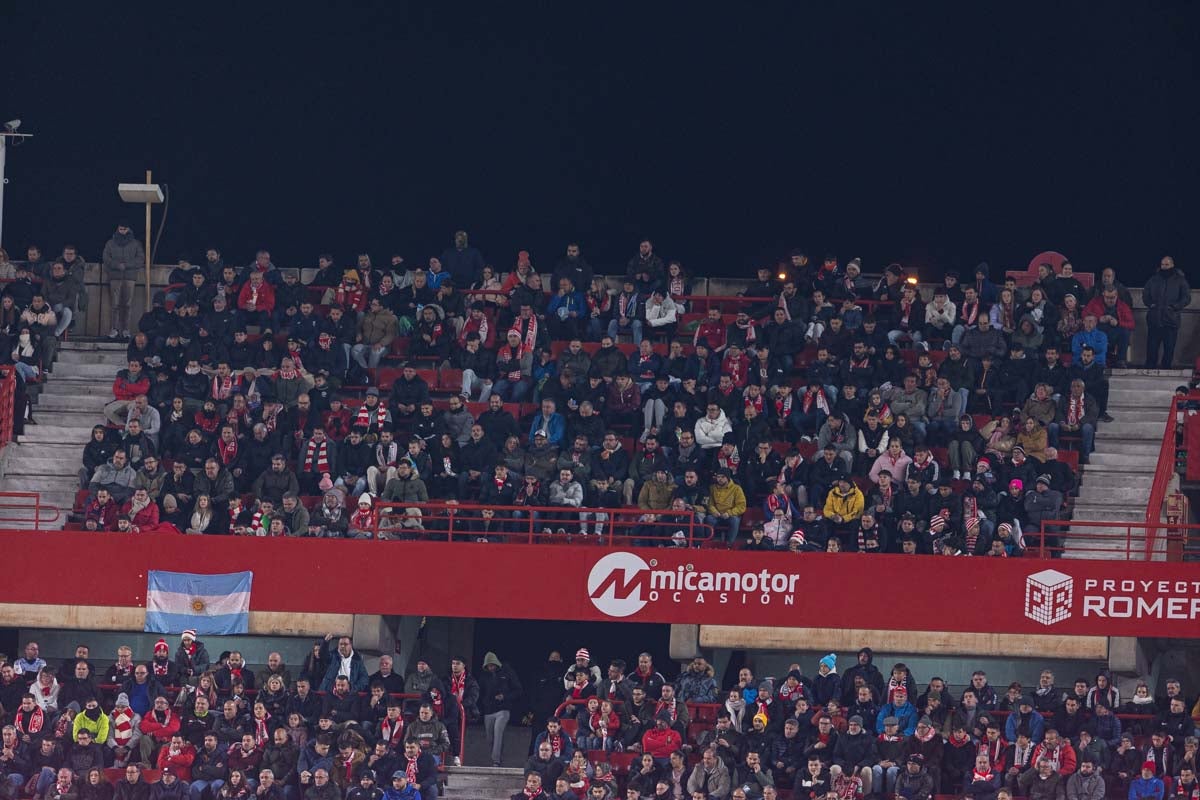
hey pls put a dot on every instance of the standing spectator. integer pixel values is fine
(463, 262)
(123, 258)
(1166, 294)
(499, 691)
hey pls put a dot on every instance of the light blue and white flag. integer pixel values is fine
(209, 604)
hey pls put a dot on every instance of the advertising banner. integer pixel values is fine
(570, 582)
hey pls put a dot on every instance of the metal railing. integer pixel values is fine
(1123, 541)
(1163, 472)
(452, 521)
(18, 509)
(8, 393)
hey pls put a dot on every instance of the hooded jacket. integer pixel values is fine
(499, 688)
(124, 258)
(710, 433)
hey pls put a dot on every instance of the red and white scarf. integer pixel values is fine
(509, 359)
(271, 418)
(222, 388)
(262, 733)
(392, 731)
(783, 406)
(228, 451)
(319, 451)
(1074, 409)
(363, 418)
(410, 769)
(31, 724)
(121, 724)
(821, 400)
(529, 339)
(458, 683)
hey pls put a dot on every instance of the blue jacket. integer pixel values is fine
(1146, 789)
(568, 747)
(359, 679)
(410, 792)
(1098, 340)
(1037, 727)
(906, 715)
(571, 301)
(555, 426)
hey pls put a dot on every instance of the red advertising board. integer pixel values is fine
(1093, 598)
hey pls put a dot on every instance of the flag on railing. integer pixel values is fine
(208, 604)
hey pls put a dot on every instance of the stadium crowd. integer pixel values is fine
(184, 726)
(821, 410)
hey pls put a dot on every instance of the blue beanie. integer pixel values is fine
(830, 661)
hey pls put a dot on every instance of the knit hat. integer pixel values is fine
(122, 700)
(916, 758)
(1025, 700)
(364, 499)
(372, 390)
(766, 685)
(926, 721)
(583, 653)
(856, 720)
(761, 717)
(1150, 765)
(830, 661)
(890, 721)
(325, 484)
(161, 644)
(190, 633)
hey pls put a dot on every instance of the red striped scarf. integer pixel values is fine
(363, 417)
(321, 452)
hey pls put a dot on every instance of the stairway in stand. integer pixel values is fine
(46, 458)
(1116, 484)
(484, 783)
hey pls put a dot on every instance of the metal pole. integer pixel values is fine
(148, 180)
(3, 145)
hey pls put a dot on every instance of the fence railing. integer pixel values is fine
(26, 510)
(1121, 541)
(8, 393)
(452, 521)
(1163, 471)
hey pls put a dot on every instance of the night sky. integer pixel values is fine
(728, 134)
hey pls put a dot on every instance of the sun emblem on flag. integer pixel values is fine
(197, 605)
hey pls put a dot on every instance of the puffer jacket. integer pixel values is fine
(124, 258)
(400, 490)
(727, 499)
(656, 496)
(570, 494)
(107, 475)
(60, 292)
(697, 687)
(848, 506)
(711, 432)
(378, 329)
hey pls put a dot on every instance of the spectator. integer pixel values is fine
(124, 257)
(1166, 294)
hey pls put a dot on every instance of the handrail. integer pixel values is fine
(392, 521)
(41, 511)
(8, 392)
(1163, 471)
(1091, 541)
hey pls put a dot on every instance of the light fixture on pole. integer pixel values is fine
(149, 194)
(8, 134)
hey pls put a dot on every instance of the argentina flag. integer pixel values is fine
(209, 604)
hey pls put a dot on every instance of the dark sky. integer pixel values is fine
(728, 133)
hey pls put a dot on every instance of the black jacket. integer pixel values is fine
(499, 689)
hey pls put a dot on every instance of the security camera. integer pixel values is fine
(12, 125)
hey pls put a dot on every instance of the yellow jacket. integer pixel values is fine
(727, 499)
(848, 506)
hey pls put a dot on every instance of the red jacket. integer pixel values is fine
(147, 516)
(161, 731)
(711, 333)
(1066, 757)
(181, 762)
(1124, 312)
(126, 389)
(661, 743)
(266, 297)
